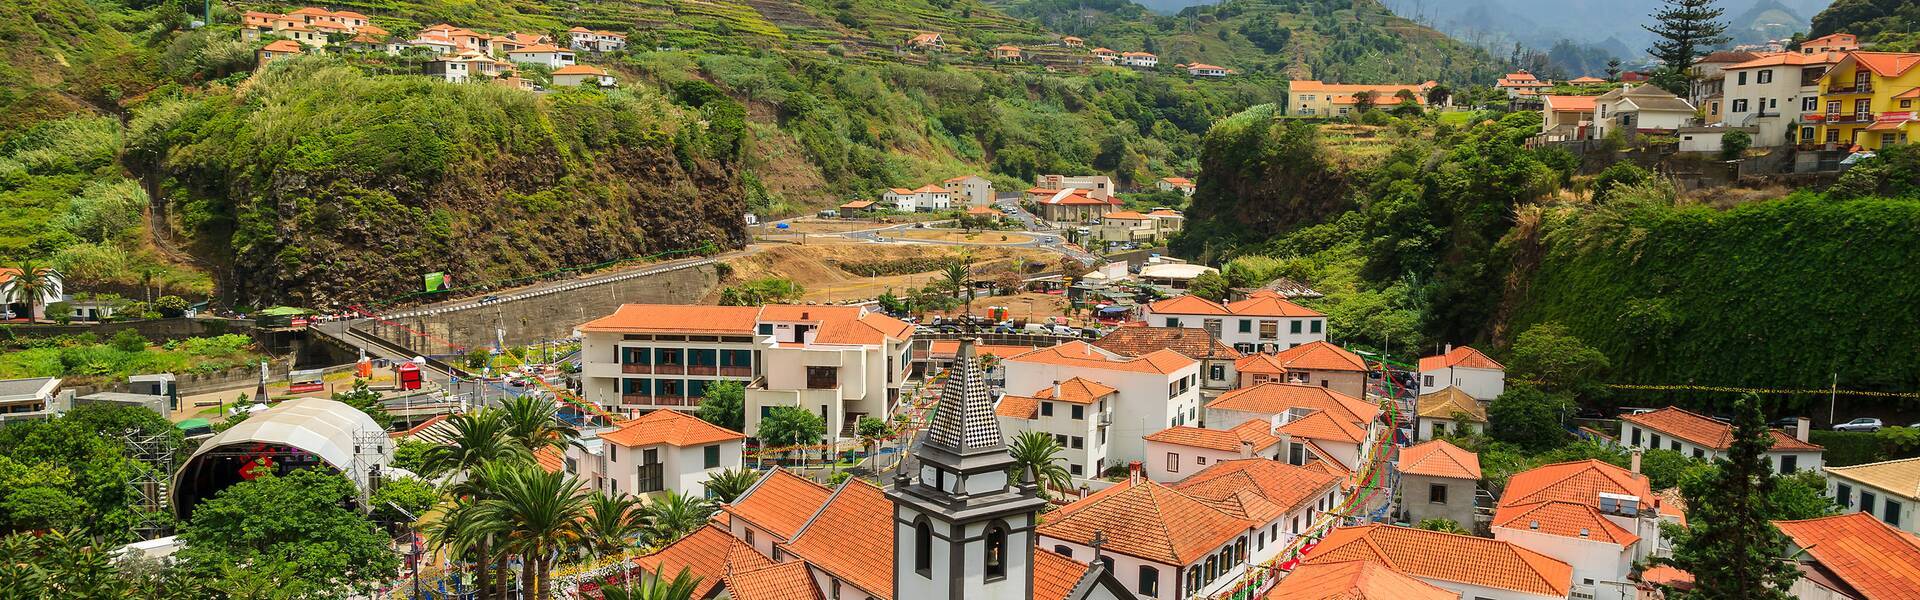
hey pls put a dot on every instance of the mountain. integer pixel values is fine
(1498, 24)
(1767, 20)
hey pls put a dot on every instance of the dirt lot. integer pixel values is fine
(812, 267)
(819, 226)
(1030, 307)
(954, 235)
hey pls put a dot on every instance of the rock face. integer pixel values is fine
(318, 186)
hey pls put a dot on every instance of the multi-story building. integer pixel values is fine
(1132, 226)
(542, 54)
(1141, 60)
(1439, 480)
(1473, 567)
(1869, 100)
(1313, 363)
(1600, 551)
(1358, 579)
(1706, 86)
(1076, 412)
(973, 189)
(1181, 184)
(1311, 98)
(1316, 423)
(1176, 452)
(1263, 322)
(1466, 368)
(843, 362)
(1704, 438)
(1887, 490)
(1774, 92)
(771, 511)
(926, 198)
(1521, 84)
(468, 66)
(1216, 358)
(588, 40)
(1566, 117)
(658, 451)
(1834, 42)
(1621, 497)
(1152, 391)
(1639, 109)
(1098, 187)
(28, 398)
(1066, 206)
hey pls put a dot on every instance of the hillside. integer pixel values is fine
(1889, 25)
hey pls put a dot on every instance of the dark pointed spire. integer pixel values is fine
(963, 421)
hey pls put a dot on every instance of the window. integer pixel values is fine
(1426, 381)
(1833, 135)
(1199, 460)
(1765, 76)
(1789, 464)
(749, 536)
(1079, 412)
(996, 551)
(1740, 104)
(1296, 455)
(923, 549)
(1216, 372)
(1843, 495)
(1314, 326)
(1269, 330)
(1439, 428)
(1173, 462)
(1046, 409)
(1437, 493)
(1810, 104)
(1742, 80)
(1656, 442)
(823, 378)
(1673, 445)
(1075, 470)
(1806, 134)
(1149, 584)
(1636, 435)
(1862, 106)
(1906, 104)
(1212, 326)
(1173, 322)
(1866, 501)
(1294, 326)
(835, 590)
(1891, 513)
(1079, 442)
(1063, 550)
(1246, 326)
(1061, 438)
(1698, 453)
(712, 456)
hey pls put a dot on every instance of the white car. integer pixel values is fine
(1861, 424)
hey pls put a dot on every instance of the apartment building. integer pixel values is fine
(1098, 187)
(658, 451)
(1151, 392)
(1263, 322)
(1077, 412)
(1775, 92)
(1704, 438)
(1868, 100)
(1133, 226)
(1706, 87)
(972, 189)
(926, 198)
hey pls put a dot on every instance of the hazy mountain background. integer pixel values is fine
(1614, 25)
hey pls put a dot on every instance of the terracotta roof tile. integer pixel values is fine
(1191, 342)
(670, 427)
(1578, 481)
(1224, 440)
(852, 538)
(1187, 305)
(708, 553)
(540, 49)
(1264, 303)
(1081, 354)
(1442, 404)
(1078, 390)
(550, 459)
(1054, 576)
(1017, 407)
(1320, 356)
(780, 503)
(1440, 458)
(1705, 431)
(1323, 425)
(1880, 562)
(1146, 520)
(1274, 398)
(1282, 488)
(784, 581)
(1354, 580)
(1886, 64)
(677, 317)
(579, 70)
(278, 46)
(1565, 519)
(1462, 356)
(1448, 557)
(1265, 364)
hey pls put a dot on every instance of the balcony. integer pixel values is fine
(658, 400)
(1857, 88)
(670, 369)
(702, 370)
(736, 371)
(1858, 117)
(640, 369)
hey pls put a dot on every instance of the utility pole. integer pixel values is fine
(1833, 400)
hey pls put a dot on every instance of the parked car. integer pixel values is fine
(1785, 422)
(1860, 424)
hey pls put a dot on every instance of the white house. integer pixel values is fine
(1183, 185)
(1600, 551)
(1206, 70)
(1466, 368)
(1076, 412)
(1704, 438)
(843, 362)
(1152, 391)
(1143, 60)
(1521, 83)
(1644, 108)
(1263, 322)
(1216, 359)
(660, 450)
(14, 302)
(1623, 497)
(973, 189)
(28, 398)
(587, 40)
(468, 65)
(1176, 452)
(1772, 93)
(771, 511)
(1316, 423)
(573, 75)
(1449, 411)
(542, 54)
(1857, 556)
(1887, 490)
(1474, 567)
(926, 198)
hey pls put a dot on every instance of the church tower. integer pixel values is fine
(961, 529)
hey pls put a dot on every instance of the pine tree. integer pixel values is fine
(1686, 30)
(1731, 548)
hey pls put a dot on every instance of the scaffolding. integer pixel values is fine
(150, 484)
(369, 457)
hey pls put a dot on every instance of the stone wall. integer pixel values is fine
(543, 317)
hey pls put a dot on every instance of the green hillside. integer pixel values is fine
(1889, 25)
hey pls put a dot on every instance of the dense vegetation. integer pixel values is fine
(85, 356)
(1890, 25)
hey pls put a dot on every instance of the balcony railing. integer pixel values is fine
(642, 369)
(658, 400)
(736, 371)
(1856, 117)
(1858, 88)
(822, 383)
(702, 370)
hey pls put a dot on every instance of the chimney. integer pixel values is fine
(1246, 449)
(1133, 472)
(1635, 466)
(1056, 389)
(1449, 348)
(1800, 427)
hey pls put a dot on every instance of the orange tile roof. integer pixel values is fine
(1078, 390)
(784, 581)
(1177, 180)
(947, 348)
(1310, 85)
(1354, 580)
(983, 211)
(1074, 200)
(670, 427)
(1586, 79)
(1224, 440)
(852, 538)
(1565, 519)
(1257, 489)
(1793, 59)
(1462, 356)
(1274, 398)
(1668, 576)
(550, 459)
(1267, 303)
(1323, 460)
(1440, 458)
(1323, 425)
(579, 70)
(1125, 215)
(1579, 481)
(1442, 404)
(1054, 576)
(1320, 356)
(1706, 432)
(1017, 407)
(1261, 363)
(780, 503)
(1187, 305)
(1146, 520)
(857, 204)
(1081, 354)
(676, 318)
(1570, 103)
(283, 46)
(539, 48)
(1877, 560)
(1886, 64)
(1190, 342)
(1448, 557)
(708, 553)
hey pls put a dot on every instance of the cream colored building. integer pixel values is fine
(1312, 98)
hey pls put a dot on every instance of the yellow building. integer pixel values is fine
(1868, 100)
(1311, 98)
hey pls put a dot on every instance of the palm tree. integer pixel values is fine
(32, 282)
(615, 521)
(673, 516)
(1036, 457)
(470, 440)
(957, 278)
(461, 527)
(538, 515)
(533, 422)
(656, 587)
(455, 531)
(728, 485)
